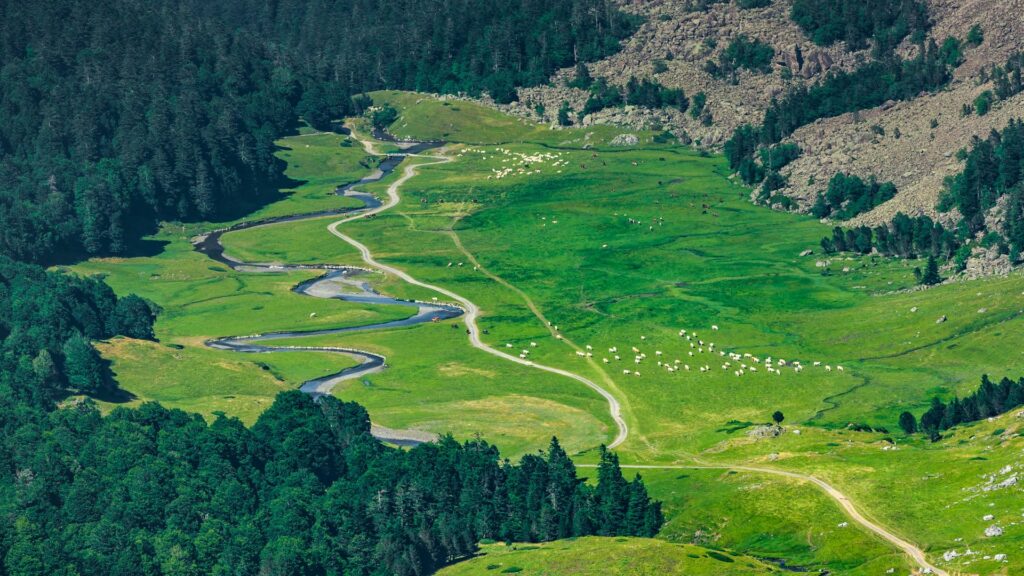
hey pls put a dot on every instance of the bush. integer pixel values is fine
(975, 36)
(983, 103)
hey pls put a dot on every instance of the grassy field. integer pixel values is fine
(623, 247)
(607, 557)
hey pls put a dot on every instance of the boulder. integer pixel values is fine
(993, 531)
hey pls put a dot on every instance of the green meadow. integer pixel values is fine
(594, 556)
(619, 247)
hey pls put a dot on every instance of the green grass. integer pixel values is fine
(714, 259)
(425, 117)
(596, 556)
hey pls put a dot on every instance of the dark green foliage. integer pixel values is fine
(46, 322)
(651, 94)
(930, 275)
(563, 114)
(383, 117)
(887, 22)
(602, 95)
(866, 87)
(1007, 78)
(753, 3)
(983, 103)
(994, 168)
(975, 36)
(646, 93)
(778, 417)
(779, 156)
(697, 104)
(903, 237)
(840, 92)
(583, 79)
(848, 196)
(908, 423)
(307, 490)
(169, 111)
(988, 400)
(742, 53)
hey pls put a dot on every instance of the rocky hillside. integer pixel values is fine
(912, 153)
(912, 143)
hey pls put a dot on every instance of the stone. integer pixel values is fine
(993, 531)
(625, 140)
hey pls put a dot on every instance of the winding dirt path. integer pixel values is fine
(848, 507)
(472, 310)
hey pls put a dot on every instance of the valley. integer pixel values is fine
(576, 253)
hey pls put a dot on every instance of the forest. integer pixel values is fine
(115, 115)
(903, 237)
(886, 22)
(993, 175)
(990, 399)
(306, 490)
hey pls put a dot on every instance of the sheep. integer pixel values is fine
(636, 350)
(627, 371)
(643, 337)
(817, 363)
(840, 368)
(686, 367)
(533, 344)
(508, 345)
(578, 353)
(657, 352)
(636, 373)
(828, 368)
(714, 327)
(617, 357)
(312, 314)
(605, 360)
(589, 347)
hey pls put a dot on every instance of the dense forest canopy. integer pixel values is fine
(116, 114)
(887, 22)
(306, 491)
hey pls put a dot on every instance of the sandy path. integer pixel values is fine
(472, 310)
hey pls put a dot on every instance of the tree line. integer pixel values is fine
(645, 92)
(307, 490)
(993, 175)
(885, 22)
(990, 399)
(170, 110)
(889, 78)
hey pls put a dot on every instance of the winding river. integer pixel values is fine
(338, 282)
(343, 283)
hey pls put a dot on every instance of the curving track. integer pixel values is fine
(328, 286)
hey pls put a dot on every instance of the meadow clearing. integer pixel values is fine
(619, 248)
